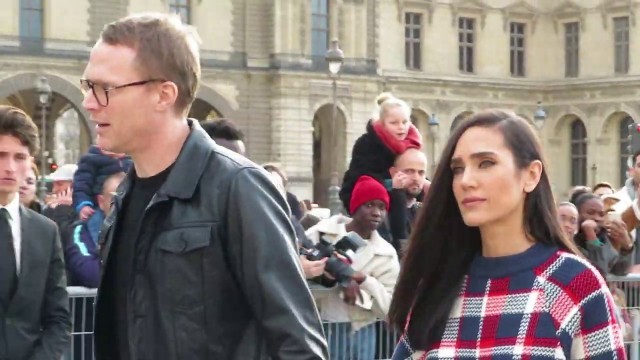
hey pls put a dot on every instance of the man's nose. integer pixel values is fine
(9, 165)
(89, 102)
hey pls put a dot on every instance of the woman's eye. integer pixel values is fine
(486, 163)
(457, 170)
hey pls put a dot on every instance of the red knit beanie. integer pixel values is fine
(365, 190)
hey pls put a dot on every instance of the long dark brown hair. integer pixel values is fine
(442, 246)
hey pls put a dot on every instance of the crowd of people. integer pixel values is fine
(198, 253)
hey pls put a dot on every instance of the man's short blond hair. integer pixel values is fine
(166, 49)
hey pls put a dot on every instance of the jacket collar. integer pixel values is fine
(192, 160)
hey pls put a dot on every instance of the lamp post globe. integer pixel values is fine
(540, 115)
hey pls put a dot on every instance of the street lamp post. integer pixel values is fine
(44, 94)
(540, 115)
(434, 126)
(335, 59)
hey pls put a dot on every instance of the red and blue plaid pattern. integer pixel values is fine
(559, 309)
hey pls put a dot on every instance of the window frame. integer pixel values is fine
(178, 6)
(516, 51)
(572, 49)
(578, 152)
(466, 48)
(413, 45)
(27, 11)
(621, 52)
(320, 10)
(624, 151)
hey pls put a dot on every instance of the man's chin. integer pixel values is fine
(414, 193)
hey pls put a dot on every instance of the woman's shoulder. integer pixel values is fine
(575, 276)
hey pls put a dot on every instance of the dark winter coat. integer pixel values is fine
(370, 156)
(93, 169)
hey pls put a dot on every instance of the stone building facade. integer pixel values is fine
(263, 67)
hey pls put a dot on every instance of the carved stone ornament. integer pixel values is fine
(416, 5)
(569, 10)
(520, 11)
(618, 7)
(475, 7)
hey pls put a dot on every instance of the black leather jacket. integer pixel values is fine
(219, 276)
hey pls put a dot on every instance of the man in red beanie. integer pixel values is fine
(356, 308)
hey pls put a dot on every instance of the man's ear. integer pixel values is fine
(99, 200)
(168, 94)
(393, 170)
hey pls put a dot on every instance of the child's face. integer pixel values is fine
(396, 123)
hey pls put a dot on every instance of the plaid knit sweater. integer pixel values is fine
(540, 304)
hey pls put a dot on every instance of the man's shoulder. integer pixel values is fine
(223, 157)
(31, 218)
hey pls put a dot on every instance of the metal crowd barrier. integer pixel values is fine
(374, 342)
(81, 302)
(626, 294)
(342, 341)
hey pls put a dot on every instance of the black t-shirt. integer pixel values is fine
(124, 247)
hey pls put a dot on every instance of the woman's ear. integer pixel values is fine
(532, 176)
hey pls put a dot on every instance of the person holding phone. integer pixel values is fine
(603, 238)
(352, 310)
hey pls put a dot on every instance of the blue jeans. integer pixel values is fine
(345, 345)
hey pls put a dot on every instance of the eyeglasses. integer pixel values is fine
(101, 92)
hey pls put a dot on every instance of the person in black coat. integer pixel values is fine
(375, 151)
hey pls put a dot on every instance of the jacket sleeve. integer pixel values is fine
(622, 263)
(83, 180)
(380, 286)
(265, 262)
(607, 259)
(83, 262)
(56, 320)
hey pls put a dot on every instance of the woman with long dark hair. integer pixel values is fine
(488, 272)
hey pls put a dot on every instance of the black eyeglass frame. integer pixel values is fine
(91, 85)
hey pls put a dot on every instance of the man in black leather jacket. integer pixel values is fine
(198, 253)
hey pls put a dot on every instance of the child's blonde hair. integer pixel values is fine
(386, 101)
(392, 103)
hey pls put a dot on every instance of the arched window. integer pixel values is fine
(182, 8)
(578, 153)
(624, 147)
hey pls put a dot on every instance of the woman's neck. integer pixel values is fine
(504, 240)
(352, 226)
